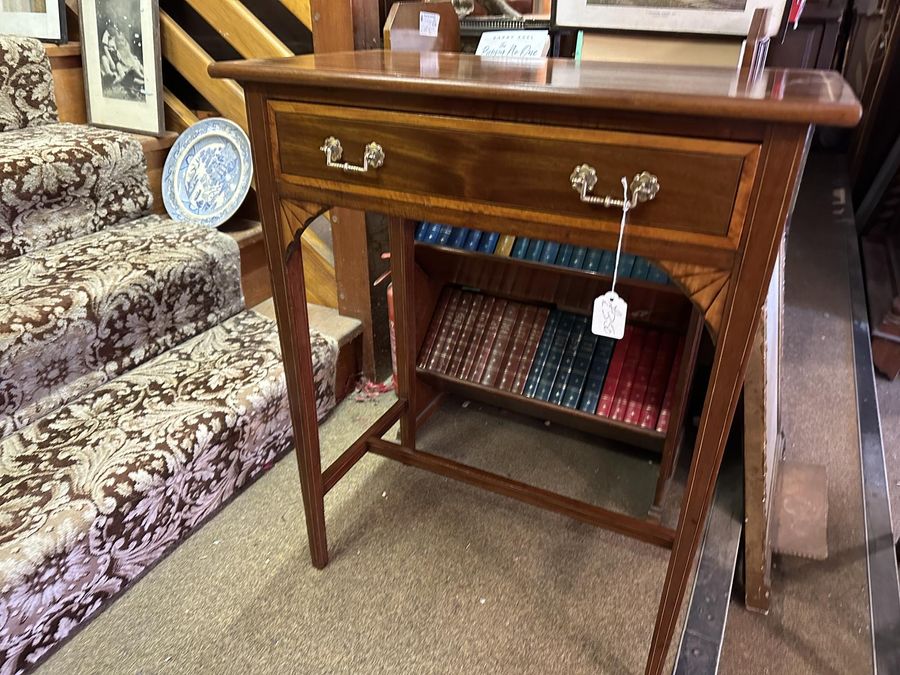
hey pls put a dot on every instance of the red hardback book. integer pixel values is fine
(531, 347)
(656, 389)
(441, 345)
(502, 345)
(665, 412)
(464, 343)
(483, 353)
(456, 326)
(517, 344)
(613, 373)
(481, 322)
(642, 378)
(434, 328)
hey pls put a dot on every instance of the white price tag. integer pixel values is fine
(610, 312)
(429, 23)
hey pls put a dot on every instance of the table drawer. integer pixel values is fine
(491, 166)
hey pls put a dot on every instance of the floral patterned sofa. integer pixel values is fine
(137, 395)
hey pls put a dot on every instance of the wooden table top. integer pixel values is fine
(778, 95)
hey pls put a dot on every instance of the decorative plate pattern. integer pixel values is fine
(207, 173)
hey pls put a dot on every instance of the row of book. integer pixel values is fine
(553, 356)
(595, 260)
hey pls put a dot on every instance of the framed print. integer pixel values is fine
(122, 66)
(42, 19)
(717, 17)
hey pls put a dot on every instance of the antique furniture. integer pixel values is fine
(728, 157)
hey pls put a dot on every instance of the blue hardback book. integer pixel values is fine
(641, 268)
(520, 247)
(551, 250)
(433, 233)
(473, 240)
(535, 248)
(540, 357)
(578, 255)
(421, 230)
(626, 264)
(458, 238)
(593, 259)
(444, 236)
(593, 385)
(566, 366)
(555, 356)
(657, 276)
(580, 369)
(565, 255)
(489, 242)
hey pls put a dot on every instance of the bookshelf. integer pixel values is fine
(661, 307)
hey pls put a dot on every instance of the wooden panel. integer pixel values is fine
(240, 27)
(351, 270)
(318, 271)
(68, 80)
(192, 62)
(402, 31)
(332, 25)
(483, 165)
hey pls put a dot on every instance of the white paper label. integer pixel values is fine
(429, 23)
(610, 312)
(517, 44)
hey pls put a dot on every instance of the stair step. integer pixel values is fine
(324, 320)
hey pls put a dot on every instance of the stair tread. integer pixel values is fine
(325, 320)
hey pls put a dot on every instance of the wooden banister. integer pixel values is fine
(240, 27)
(192, 61)
(300, 9)
(178, 116)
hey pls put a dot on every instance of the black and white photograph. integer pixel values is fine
(711, 17)
(44, 19)
(122, 68)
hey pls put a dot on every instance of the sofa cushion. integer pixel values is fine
(62, 181)
(75, 315)
(26, 84)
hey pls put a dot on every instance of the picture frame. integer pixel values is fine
(702, 17)
(41, 19)
(122, 60)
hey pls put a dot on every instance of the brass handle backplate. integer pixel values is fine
(373, 158)
(644, 187)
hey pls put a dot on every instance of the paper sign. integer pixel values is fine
(610, 313)
(514, 44)
(429, 23)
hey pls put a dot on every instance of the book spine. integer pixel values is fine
(502, 345)
(593, 259)
(658, 379)
(444, 236)
(608, 264)
(665, 411)
(464, 343)
(531, 348)
(473, 240)
(626, 264)
(440, 345)
(458, 238)
(593, 385)
(505, 245)
(608, 395)
(519, 341)
(520, 248)
(540, 357)
(488, 242)
(455, 328)
(626, 378)
(642, 378)
(570, 353)
(551, 250)
(555, 357)
(565, 255)
(657, 276)
(641, 268)
(578, 255)
(421, 229)
(434, 328)
(432, 234)
(535, 248)
(481, 322)
(487, 343)
(580, 368)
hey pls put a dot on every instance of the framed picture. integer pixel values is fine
(718, 17)
(42, 19)
(122, 66)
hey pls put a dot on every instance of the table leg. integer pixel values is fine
(403, 280)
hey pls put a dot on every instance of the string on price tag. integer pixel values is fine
(610, 310)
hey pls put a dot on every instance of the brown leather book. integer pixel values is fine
(642, 378)
(658, 380)
(521, 333)
(440, 344)
(434, 328)
(464, 343)
(453, 331)
(467, 367)
(665, 412)
(531, 348)
(501, 350)
(483, 353)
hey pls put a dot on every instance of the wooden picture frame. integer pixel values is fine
(42, 19)
(720, 17)
(122, 64)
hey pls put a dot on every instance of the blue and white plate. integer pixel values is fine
(207, 173)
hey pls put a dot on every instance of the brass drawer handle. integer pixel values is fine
(373, 158)
(644, 187)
